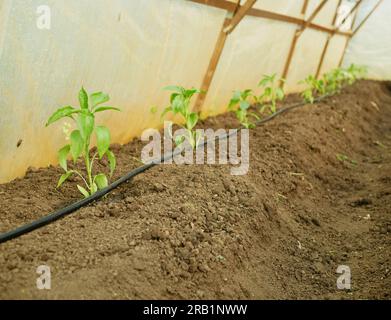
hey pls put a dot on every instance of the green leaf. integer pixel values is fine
(94, 188)
(63, 178)
(263, 82)
(174, 88)
(85, 122)
(179, 140)
(61, 113)
(192, 120)
(268, 92)
(98, 98)
(77, 144)
(190, 92)
(83, 191)
(100, 109)
(172, 97)
(83, 99)
(101, 181)
(165, 111)
(254, 115)
(63, 155)
(177, 104)
(280, 94)
(234, 101)
(246, 93)
(102, 140)
(112, 161)
(244, 105)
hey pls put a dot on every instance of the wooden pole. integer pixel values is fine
(230, 22)
(326, 46)
(297, 35)
(239, 16)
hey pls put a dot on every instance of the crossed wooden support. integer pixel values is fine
(236, 12)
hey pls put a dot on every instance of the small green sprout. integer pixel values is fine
(180, 104)
(271, 93)
(314, 86)
(354, 73)
(344, 158)
(80, 140)
(331, 82)
(334, 80)
(239, 104)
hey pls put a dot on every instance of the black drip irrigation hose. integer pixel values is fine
(79, 204)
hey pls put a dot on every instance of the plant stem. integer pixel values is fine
(88, 167)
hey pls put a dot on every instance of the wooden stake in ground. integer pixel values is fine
(230, 23)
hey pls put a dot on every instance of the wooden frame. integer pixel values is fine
(235, 14)
(254, 12)
(326, 46)
(297, 35)
(336, 28)
(207, 80)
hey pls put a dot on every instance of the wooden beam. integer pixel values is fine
(239, 16)
(207, 80)
(326, 46)
(312, 16)
(297, 35)
(366, 18)
(259, 13)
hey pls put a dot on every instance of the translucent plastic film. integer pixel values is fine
(131, 49)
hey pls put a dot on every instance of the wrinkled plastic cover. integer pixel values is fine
(132, 49)
(371, 46)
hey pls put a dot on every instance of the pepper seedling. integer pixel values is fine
(354, 73)
(239, 104)
(314, 86)
(180, 104)
(80, 140)
(271, 93)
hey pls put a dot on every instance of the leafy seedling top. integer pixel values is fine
(180, 104)
(239, 104)
(271, 94)
(80, 140)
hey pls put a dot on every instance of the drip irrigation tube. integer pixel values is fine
(79, 204)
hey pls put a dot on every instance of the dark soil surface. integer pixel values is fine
(197, 232)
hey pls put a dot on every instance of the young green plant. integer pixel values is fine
(239, 104)
(180, 104)
(272, 93)
(80, 140)
(314, 87)
(354, 73)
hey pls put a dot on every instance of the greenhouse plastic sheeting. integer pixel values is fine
(132, 49)
(371, 46)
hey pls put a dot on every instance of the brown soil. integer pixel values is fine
(197, 232)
